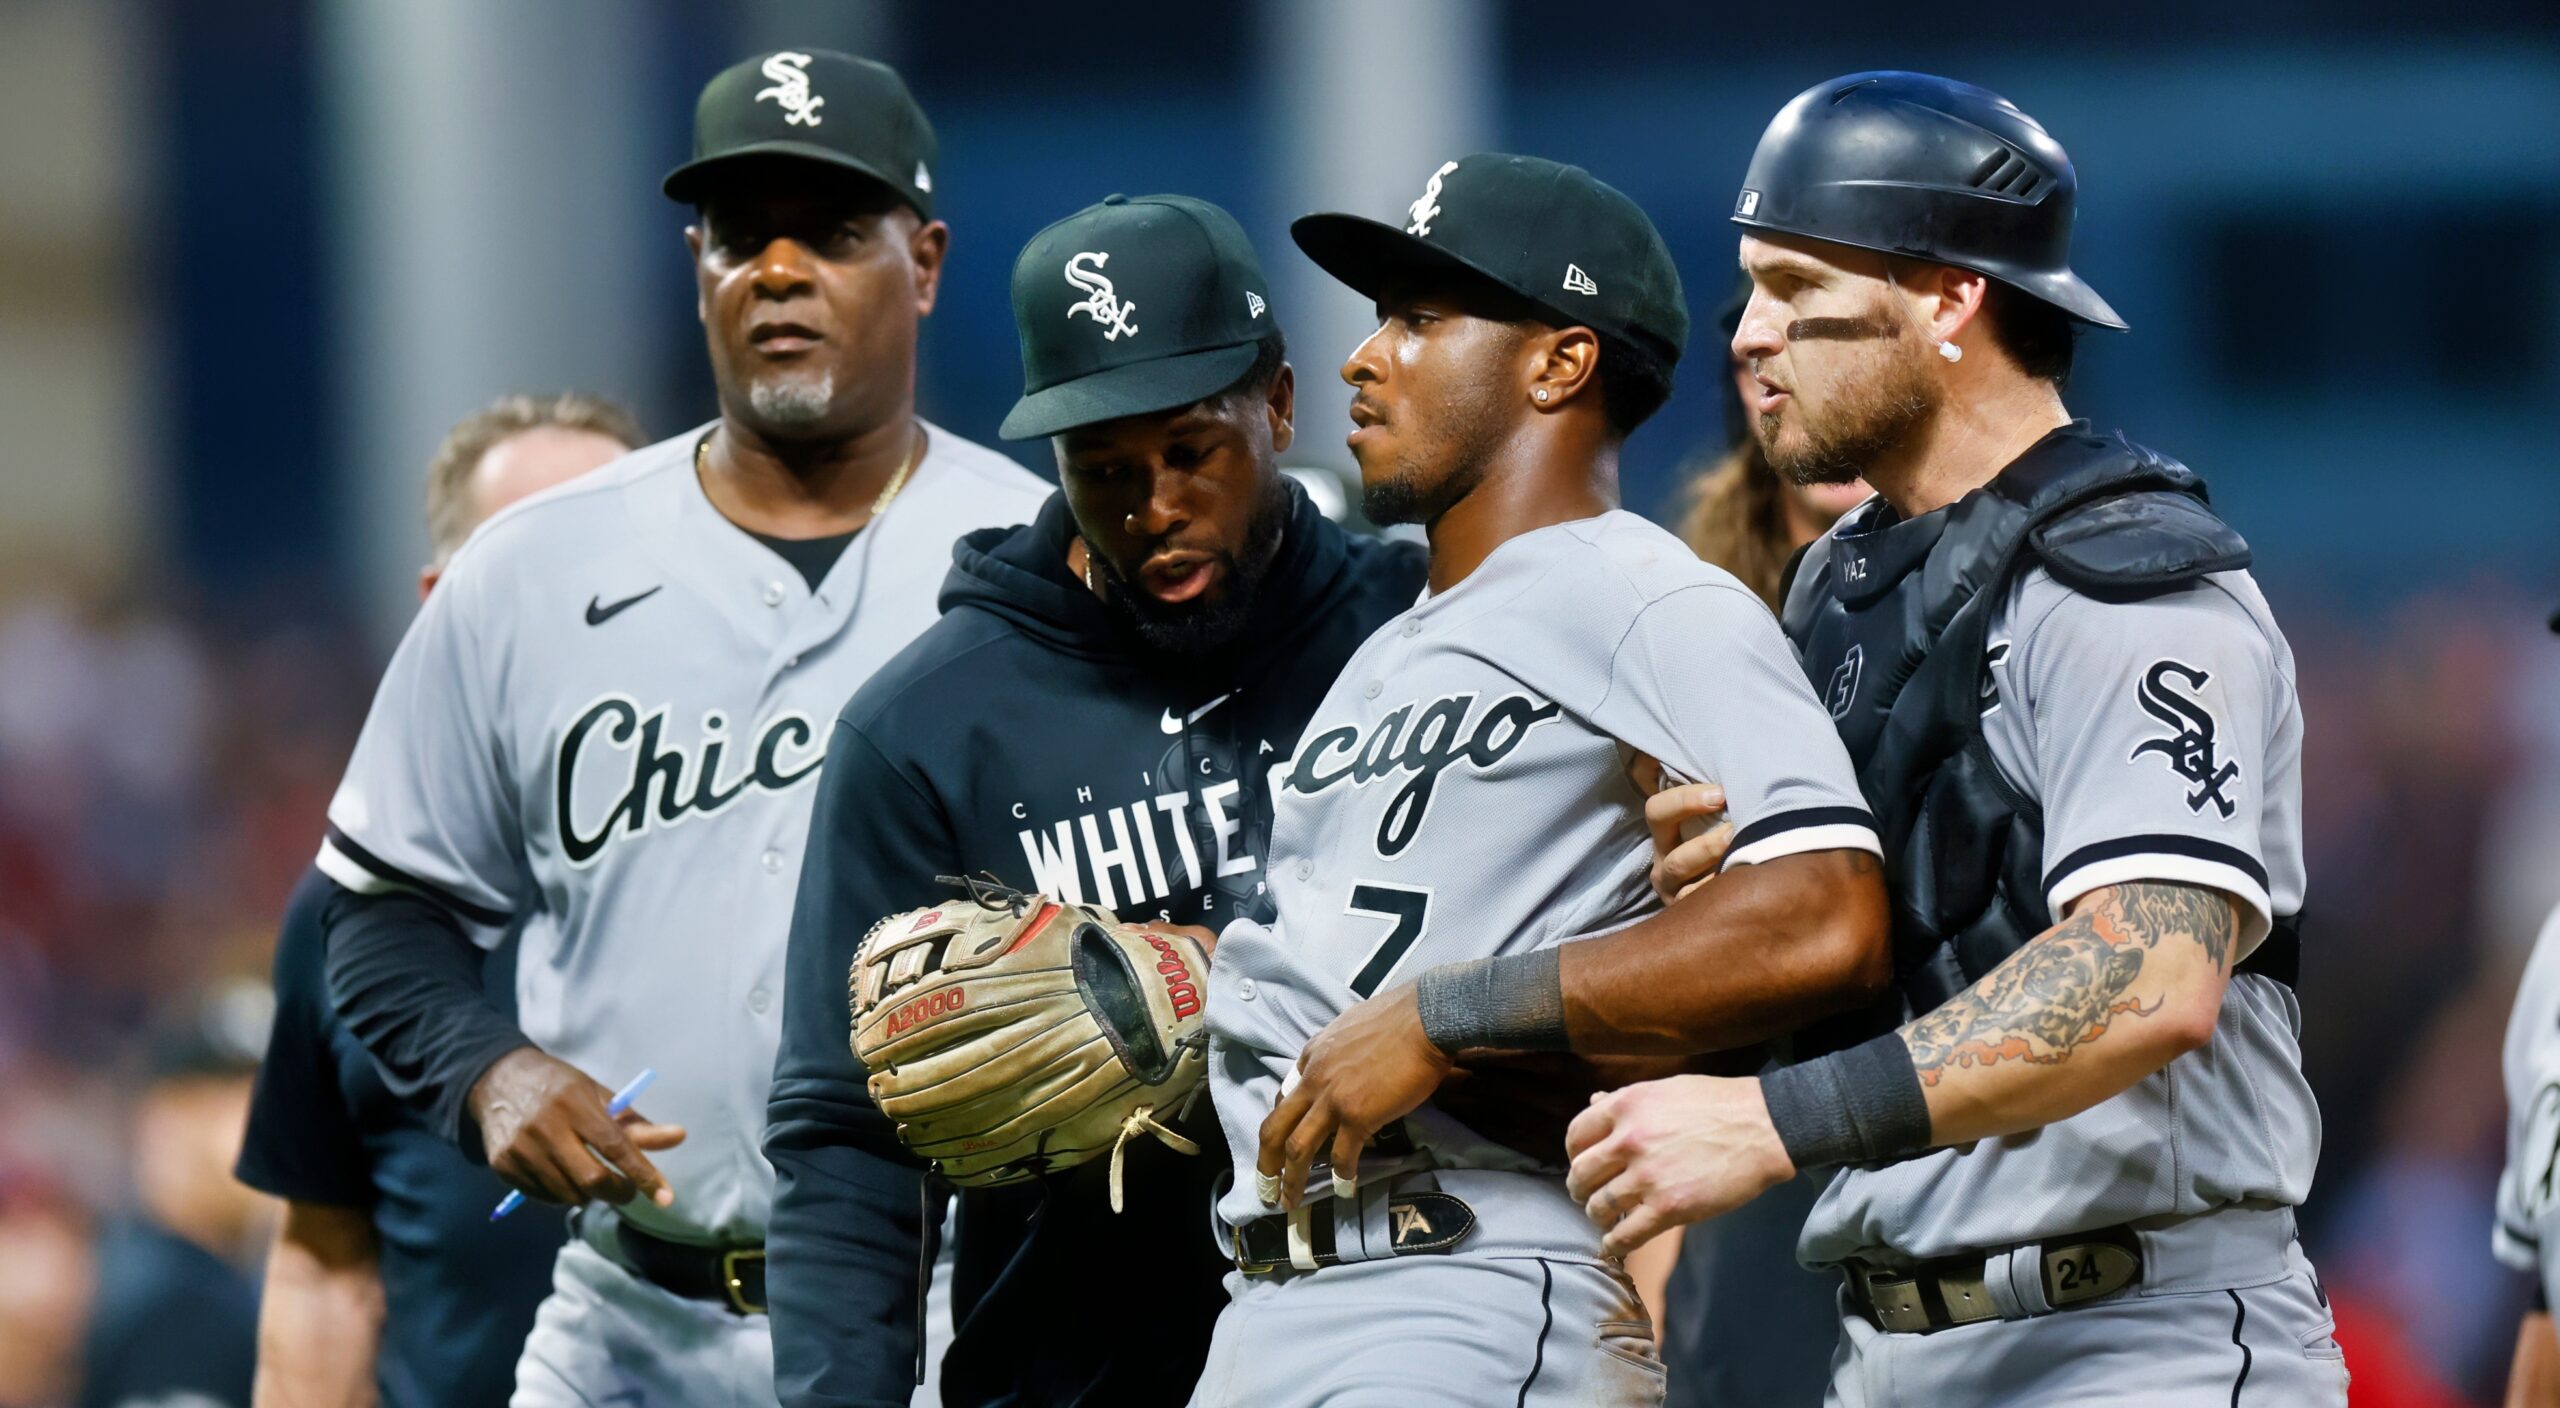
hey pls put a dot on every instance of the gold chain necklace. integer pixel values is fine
(880, 505)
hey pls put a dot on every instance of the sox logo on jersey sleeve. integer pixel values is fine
(2168, 693)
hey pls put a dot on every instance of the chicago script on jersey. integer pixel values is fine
(1434, 744)
(663, 785)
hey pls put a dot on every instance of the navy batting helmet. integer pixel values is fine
(1928, 167)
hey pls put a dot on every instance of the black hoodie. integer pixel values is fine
(1030, 734)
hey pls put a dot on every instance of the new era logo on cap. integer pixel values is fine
(1576, 281)
(1253, 304)
(1747, 204)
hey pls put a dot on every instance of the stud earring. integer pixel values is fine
(1542, 393)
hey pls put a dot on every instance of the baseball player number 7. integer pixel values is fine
(1408, 907)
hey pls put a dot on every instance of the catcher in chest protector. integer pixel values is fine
(1013, 1035)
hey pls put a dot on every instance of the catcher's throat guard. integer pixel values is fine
(1012, 1035)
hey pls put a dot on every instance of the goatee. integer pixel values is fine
(792, 402)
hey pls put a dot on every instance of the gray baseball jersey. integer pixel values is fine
(2526, 1208)
(605, 721)
(2163, 741)
(1462, 792)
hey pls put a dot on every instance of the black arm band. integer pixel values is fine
(408, 984)
(1859, 1106)
(1514, 1003)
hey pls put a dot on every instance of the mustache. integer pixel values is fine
(1863, 329)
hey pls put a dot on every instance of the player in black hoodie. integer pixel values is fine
(1094, 717)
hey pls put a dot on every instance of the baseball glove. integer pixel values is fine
(1012, 1035)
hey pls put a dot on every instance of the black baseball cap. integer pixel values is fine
(1136, 305)
(811, 105)
(1556, 235)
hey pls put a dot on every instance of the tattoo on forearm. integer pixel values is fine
(2071, 983)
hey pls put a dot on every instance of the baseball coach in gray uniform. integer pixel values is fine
(607, 722)
(2068, 1165)
(1458, 858)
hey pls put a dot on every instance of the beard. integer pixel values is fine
(1213, 621)
(793, 402)
(1866, 420)
(1466, 428)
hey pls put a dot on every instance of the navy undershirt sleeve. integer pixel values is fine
(302, 1141)
(408, 984)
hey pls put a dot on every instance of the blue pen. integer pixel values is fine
(620, 1102)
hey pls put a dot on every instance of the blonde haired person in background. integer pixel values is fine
(513, 448)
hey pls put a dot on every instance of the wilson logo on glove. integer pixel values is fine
(1177, 978)
(1057, 1051)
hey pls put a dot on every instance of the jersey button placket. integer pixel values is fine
(772, 861)
(773, 593)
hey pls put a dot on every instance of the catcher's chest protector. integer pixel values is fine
(1892, 624)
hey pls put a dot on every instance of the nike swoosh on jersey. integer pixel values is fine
(598, 614)
(1170, 724)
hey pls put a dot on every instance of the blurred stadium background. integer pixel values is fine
(255, 256)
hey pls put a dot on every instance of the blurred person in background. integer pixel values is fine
(174, 1322)
(44, 1298)
(1739, 1321)
(607, 722)
(387, 1275)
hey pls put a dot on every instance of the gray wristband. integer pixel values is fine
(1515, 1003)
(1859, 1106)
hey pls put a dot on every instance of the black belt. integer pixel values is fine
(1942, 1294)
(1418, 1224)
(726, 1276)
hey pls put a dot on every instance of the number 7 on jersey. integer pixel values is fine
(1407, 908)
